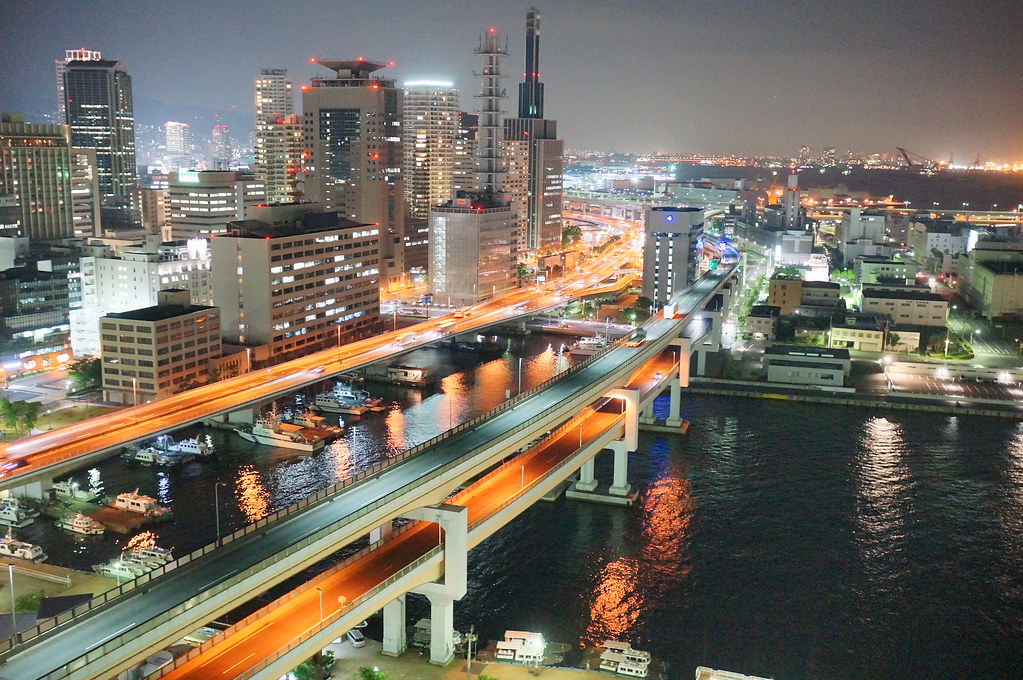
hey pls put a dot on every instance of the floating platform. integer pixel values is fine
(124, 521)
(660, 425)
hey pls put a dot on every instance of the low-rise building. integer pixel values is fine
(793, 295)
(762, 322)
(154, 352)
(797, 365)
(993, 282)
(910, 307)
(874, 269)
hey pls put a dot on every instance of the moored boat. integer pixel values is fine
(133, 501)
(346, 399)
(270, 431)
(81, 524)
(13, 514)
(10, 547)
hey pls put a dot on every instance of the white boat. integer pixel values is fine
(308, 419)
(589, 346)
(70, 491)
(133, 501)
(120, 568)
(198, 448)
(413, 376)
(621, 658)
(14, 515)
(80, 524)
(346, 399)
(9, 547)
(521, 646)
(150, 455)
(154, 555)
(270, 431)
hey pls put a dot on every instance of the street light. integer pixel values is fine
(216, 506)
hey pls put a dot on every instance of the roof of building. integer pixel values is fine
(1002, 268)
(876, 259)
(311, 223)
(765, 310)
(157, 312)
(821, 284)
(805, 351)
(903, 295)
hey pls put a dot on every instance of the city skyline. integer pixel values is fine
(691, 77)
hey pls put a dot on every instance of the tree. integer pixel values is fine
(9, 412)
(84, 374)
(29, 602)
(521, 271)
(893, 339)
(367, 673)
(29, 413)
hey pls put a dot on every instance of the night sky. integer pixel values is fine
(753, 77)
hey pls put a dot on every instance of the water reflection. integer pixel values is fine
(1012, 516)
(253, 499)
(616, 602)
(882, 495)
(341, 457)
(163, 484)
(144, 541)
(394, 422)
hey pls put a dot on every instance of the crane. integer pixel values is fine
(915, 160)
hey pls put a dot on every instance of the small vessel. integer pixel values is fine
(81, 524)
(521, 646)
(153, 555)
(13, 514)
(165, 452)
(149, 455)
(9, 547)
(120, 568)
(308, 419)
(270, 431)
(621, 658)
(589, 346)
(70, 491)
(197, 448)
(412, 376)
(346, 399)
(133, 501)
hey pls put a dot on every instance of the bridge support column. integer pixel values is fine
(245, 415)
(453, 519)
(382, 532)
(587, 482)
(31, 490)
(630, 442)
(675, 406)
(647, 418)
(394, 627)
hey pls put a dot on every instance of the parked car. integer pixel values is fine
(356, 638)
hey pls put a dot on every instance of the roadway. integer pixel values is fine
(114, 626)
(52, 452)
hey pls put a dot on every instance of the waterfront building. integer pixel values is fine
(799, 365)
(203, 202)
(352, 127)
(671, 259)
(292, 279)
(131, 277)
(473, 252)
(36, 177)
(160, 350)
(100, 115)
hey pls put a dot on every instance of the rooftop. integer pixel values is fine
(904, 295)
(803, 351)
(158, 312)
(1002, 268)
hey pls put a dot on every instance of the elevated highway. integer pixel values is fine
(109, 634)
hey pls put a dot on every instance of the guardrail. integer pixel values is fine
(104, 601)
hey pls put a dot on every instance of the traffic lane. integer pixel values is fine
(300, 614)
(965, 388)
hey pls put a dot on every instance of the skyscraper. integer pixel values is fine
(473, 237)
(35, 177)
(70, 55)
(352, 126)
(278, 138)
(273, 95)
(100, 115)
(221, 149)
(430, 127)
(177, 141)
(539, 208)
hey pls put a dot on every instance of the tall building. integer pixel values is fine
(34, 306)
(430, 126)
(203, 202)
(221, 149)
(85, 198)
(177, 140)
(70, 55)
(278, 158)
(352, 126)
(472, 249)
(463, 162)
(540, 208)
(36, 176)
(273, 95)
(290, 279)
(152, 206)
(791, 203)
(671, 256)
(100, 115)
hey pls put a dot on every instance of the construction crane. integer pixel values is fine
(915, 160)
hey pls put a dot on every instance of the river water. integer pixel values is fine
(775, 539)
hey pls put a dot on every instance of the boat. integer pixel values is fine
(81, 524)
(521, 646)
(133, 501)
(14, 515)
(411, 376)
(70, 491)
(589, 346)
(346, 399)
(270, 431)
(153, 555)
(9, 547)
(120, 568)
(150, 455)
(621, 658)
(197, 448)
(308, 419)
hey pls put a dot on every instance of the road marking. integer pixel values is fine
(240, 662)
(113, 635)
